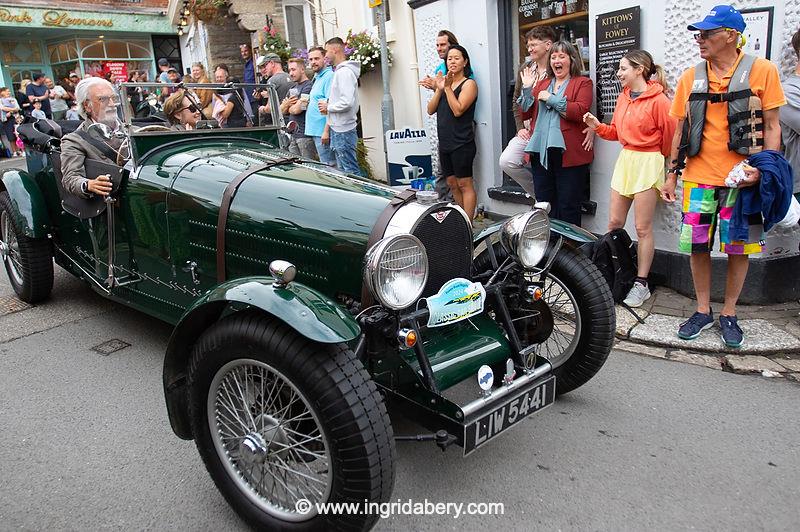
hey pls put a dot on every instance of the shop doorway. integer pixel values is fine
(169, 48)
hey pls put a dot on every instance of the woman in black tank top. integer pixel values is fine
(454, 105)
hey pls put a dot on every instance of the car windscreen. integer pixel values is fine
(185, 106)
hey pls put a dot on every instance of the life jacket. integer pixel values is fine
(745, 117)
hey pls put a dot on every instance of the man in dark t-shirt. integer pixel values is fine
(38, 92)
(294, 108)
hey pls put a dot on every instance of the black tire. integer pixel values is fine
(573, 282)
(596, 306)
(28, 261)
(349, 437)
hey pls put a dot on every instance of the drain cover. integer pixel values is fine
(10, 304)
(111, 346)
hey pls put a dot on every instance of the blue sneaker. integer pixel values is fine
(691, 328)
(731, 332)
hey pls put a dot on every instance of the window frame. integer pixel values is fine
(307, 22)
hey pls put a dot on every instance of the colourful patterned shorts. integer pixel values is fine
(706, 206)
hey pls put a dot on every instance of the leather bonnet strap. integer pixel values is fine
(225, 205)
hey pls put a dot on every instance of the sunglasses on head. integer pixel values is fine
(191, 107)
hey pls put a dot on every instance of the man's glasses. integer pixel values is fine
(703, 35)
(105, 100)
(192, 108)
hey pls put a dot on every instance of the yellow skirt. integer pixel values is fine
(637, 171)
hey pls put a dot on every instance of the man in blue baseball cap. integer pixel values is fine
(723, 16)
(724, 125)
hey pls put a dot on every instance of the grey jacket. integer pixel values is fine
(74, 150)
(790, 125)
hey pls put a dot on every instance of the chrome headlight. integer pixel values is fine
(396, 270)
(525, 237)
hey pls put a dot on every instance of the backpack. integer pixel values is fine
(615, 257)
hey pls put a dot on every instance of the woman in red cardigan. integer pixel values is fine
(560, 153)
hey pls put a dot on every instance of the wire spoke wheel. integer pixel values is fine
(283, 423)
(10, 248)
(566, 326)
(269, 438)
(572, 325)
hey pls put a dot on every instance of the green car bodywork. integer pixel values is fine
(165, 250)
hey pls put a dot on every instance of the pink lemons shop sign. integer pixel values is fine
(53, 19)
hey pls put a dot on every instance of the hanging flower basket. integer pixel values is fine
(365, 49)
(208, 10)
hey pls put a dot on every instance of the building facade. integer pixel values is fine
(492, 31)
(85, 37)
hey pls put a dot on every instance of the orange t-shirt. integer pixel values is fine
(712, 164)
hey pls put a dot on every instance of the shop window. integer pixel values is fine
(53, 52)
(21, 52)
(92, 49)
(116, 49)
(138, 50)
(63, 70)
(59, 52)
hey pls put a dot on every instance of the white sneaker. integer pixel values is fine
(639, 294)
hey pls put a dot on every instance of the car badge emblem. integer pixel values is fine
(485, 378)
(440, 215)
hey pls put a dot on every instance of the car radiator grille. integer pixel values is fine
(449, 246)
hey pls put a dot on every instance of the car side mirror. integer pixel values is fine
(291, 127)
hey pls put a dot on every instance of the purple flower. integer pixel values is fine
(348, 50)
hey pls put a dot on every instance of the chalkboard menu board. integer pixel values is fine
(618, 33)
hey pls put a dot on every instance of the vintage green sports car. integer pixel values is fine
(305, 302)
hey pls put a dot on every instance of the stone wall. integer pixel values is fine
(224, 37)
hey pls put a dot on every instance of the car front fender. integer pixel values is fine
(30, 211)
(579, 237)
(310, 313)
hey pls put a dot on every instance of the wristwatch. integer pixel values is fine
(85, 186)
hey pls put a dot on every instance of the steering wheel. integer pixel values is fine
(153, 127)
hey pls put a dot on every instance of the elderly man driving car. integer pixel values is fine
(182, 110)
(97, 104)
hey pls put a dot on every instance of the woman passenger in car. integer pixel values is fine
(181, 111)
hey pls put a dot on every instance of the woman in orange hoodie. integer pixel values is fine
(642, 124)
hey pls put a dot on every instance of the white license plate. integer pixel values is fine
(522, 405)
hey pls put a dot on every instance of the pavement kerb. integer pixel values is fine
(660, 330)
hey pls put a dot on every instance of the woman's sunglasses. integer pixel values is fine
(192, 108)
